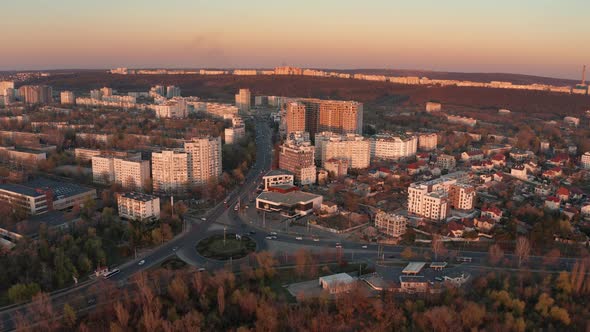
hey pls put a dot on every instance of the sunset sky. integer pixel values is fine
(541, 37)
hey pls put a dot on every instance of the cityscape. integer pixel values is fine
(276, 196)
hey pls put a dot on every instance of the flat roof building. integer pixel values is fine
(138, 206)
(291, 203)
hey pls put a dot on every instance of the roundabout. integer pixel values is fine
(232, 247)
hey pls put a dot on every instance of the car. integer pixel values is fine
(299, 238)
(364, 247)
(315, 239)
(268, 237)
(175, 248)
(274, 237)
(252, 232)
(202, 269)
(204, 219)
(141, 262)
(438, 278)
(91, 301)
(273, 233)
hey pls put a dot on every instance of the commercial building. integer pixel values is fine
(42, 195)
(427, 142)
(277, 177)
(342, 117)
(138, 206)
(295, 117)
(170, 171)
(337, 283)
(391, 224)
(204, 159)
(289, 203)
(36, 94)
(67, 97)
(353, 148)
(430, 199)
(298, 157)
(433, 107)
(243, 100)
(393, 147)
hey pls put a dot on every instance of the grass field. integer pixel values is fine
(215, 247)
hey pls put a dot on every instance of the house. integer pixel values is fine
(329, 207)
(417, 167)
(486, 178)
(531, 167)
(519, 172)
(492, 212)
(484, 224)
(586, 210)
(499, 160)
(563, 194)
(499, 177)
(576, 193)
(423, 156)
(456, 228)
(472, 155)
(485, 165)
(543, 190)
(570, 212)
(520, 155)
(553, 173)
(552, 203)
(559, 160)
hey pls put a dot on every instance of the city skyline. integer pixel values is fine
(536, 38)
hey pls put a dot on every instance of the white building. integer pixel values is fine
(433, 107)
(353, 148)
(277, 177)
(393, 147)
(139, 207)
(586, 160)
(234, 134)
(430, 199)
(337, 283)
(170, 171)
(427, 142)
(103, 169)
(173, 108)
(243, 100)
(204, 159)
(67, 97)
(445, 161)
(298, 157)
(130, 173)
(391, 224)
(172, 91)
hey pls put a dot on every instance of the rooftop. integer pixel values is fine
(289, 199)
(413, 268)
(337, 278)
(139, 196)
(276, 172)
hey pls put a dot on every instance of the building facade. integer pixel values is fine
(342, 117)
(243, 100)
(204, 160)
(138, 206)
(393, 147)
(427, 142)
(170, 171)
(299, 159)
(391, 224)
(295, 117)
(355, 149)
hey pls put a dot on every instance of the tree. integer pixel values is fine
(220, 300)
(69, 316)
(522, 250)
(495, 254)
(407, 253)
(438, 246)
(22, 292)
(178, 290)
(472, 315)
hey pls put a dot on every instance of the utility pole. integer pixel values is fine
(224, 229)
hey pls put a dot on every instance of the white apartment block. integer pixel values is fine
(391, 224)
(129, 173)
(353, 148)
(204, 159)
(174, 108)
(586, 160)
(427, 142)
(430, 199)
(393, 147)
(67, 97)
(139, 207)
(243, 101)
(170, 171)
(234, 134)
(172, 91)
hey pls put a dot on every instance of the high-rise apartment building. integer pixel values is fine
(204, 159)
(67, 97)
(170, 171)
(36, 94)
(355, 149)
(462, 196)
(130, 173)
(298, 158)
(5, 85)
(427, 142)
(172, 91)
(243, 100)
(393, 147)
(342, 117)
(295, 117)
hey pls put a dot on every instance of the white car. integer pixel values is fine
(141, 262)
(204, 219)
(315, 239)
(299, 238)
(268, 237)
(273, 233)
(364, 247)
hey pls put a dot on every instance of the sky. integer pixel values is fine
(539, 37)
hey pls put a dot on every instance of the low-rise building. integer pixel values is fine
(138, 206)
(289, 203)
(337, 283)
(336, 167)
(391, 224)
(552, 203)
(585, 160)
(277, 177)
(445, 161)
(519, 172)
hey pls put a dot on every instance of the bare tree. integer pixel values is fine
(122, 314)
(221, 300)
(522, 250)
(495, 254)
(438, 246)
